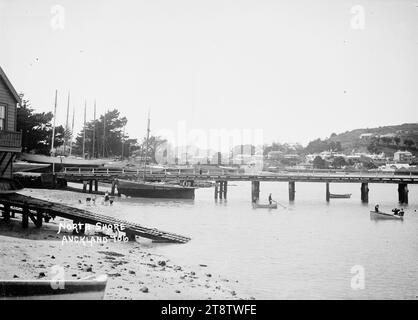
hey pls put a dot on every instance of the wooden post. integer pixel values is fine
(6, 212)
(90, 186)
(327, 192)
(221, 189)
(84, 186)
(96, 185)
(255, 191)
(225, 188)
(112, 191)
(216, 189)
(38, 219)
(25, 216)
(403, 193)
(292, 191)
(364, 192)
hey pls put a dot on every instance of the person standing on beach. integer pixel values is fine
(106, 198)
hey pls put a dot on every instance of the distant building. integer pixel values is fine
(366, 136)
(391, 167)
(403, 156)
(388, 135)
(10, 139)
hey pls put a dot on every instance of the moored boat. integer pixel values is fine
(92, 288)
(384, 215)
(340, 196)
(24, 166)
(154, 190)
(62, 161)
(266, 206)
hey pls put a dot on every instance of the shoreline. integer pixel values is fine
(134, 270)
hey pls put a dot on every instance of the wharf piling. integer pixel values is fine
(292, 190)
(403, 193)
(327, 193)
(364, 192)
(221, 189)
(255, 190)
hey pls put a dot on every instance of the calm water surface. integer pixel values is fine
(305, 250)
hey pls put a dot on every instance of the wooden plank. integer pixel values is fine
(84, 216)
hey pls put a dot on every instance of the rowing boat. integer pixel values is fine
(384, 215)
(266, 206)
(340, 196)
(91, 288)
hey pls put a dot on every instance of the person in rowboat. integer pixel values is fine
(270, 199)
(376, 208)
(396, 211)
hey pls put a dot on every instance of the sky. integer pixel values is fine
(292, 70)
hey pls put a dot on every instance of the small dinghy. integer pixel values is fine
(340, 196)
(8, 186)
(384, 215)
(91, 288)
(265, 206)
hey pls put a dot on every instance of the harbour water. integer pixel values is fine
(308, 249)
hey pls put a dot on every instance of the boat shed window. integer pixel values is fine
(2, 117)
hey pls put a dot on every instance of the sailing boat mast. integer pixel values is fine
(67, 129)
(94, 128)
(71, 135)
(123, 142)
(53, 126)
(146, 146)
(84, 129)
(104, 133)
(53, 131)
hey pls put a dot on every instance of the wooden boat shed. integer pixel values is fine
(10, 139)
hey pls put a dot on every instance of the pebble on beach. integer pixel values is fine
(144, 290)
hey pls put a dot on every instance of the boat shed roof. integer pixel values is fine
(9, 85)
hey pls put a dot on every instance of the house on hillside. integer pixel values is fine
(403, 156)
(366, 136)
(10, 139)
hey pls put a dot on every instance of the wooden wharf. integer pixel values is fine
(90, 176)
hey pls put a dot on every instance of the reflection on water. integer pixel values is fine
(305, 249)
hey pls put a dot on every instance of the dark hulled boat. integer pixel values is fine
(145, 189)
(91, 288)
(340, 196)
(154, 190)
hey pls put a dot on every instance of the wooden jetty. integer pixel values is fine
(38, 210)
(91, 176)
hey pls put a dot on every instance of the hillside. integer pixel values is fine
(386, 139)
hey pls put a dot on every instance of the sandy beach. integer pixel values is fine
(134, 270)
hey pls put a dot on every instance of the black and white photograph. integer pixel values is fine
(196, 150)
